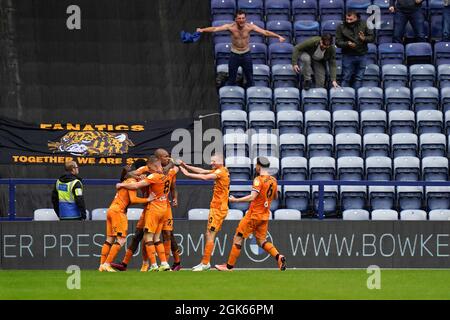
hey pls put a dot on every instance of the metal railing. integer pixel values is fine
(12, 183)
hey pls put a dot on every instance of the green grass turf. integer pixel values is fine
(240, 284)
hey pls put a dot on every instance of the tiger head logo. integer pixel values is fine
(92, 143)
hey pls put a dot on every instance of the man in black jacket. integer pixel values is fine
(67, 195)
(352, 36)
(407, 10)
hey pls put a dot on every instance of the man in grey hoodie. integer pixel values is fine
(407, 10)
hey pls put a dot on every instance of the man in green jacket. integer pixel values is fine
(352, 36)
(314, 54)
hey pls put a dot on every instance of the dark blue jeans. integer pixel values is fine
(353, 66)
(240, 60)
(446, 23)
(415, 18)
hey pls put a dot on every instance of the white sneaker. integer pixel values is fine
(202, 267)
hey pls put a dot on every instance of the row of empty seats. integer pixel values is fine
(345, 98)
(376, 215)
(49, 214)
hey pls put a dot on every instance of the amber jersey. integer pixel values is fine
(221, 189)
(159, 185)
(125, 197)
(267, 188)
(146, 170)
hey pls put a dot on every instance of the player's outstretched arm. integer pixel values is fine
(133, 185)
(199, 176)
(267, 33)
(193, 169)
(252, 196)
(224, 27)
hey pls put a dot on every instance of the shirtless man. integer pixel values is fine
(240, 55)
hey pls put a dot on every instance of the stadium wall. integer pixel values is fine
(126, 64)
(306, 244)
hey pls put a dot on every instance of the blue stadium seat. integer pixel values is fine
(198, 214)
(435, 7)
(261, 120)
(410, 35)
(314, 99)
(394, 75)
(330, 200)
(292, 145)
(287, 214)
(304, 29)
(348, 145)
(386, 32)
(404, 145)
(261, 75)
(437, 198)
(290, 121)
(254, 36)
(231, 98)
(259, 53)
(447, 120)
(234, 121)
(294, 168)
(391, 53)
(342, 98)
(433, 145)
(283, 75)
(259, 99)
(383, 5)
(222, 53)
(397, 98)
(384, 215)
(422, 75)
(425, 98)
(223, 9)
(240, 168)
(331, 10)
(435, 168)
(355, 215)
(239, 191)
(372, 54)
(352, 197)
(322, 168)
(381, 197)
(278, 10)
(429, 121)
(370, 98)
(444, 75)
(372, 76)
(280, 53)
(407, 169)
(402, 121)
(264, 144)
(436, 28)
(236, 144)
(439, 215)
(378, 168)
(419, 52)
(296, 197)
(287, 99)
(413, 215)
(222, 36)
(441, 53)
(304, 10)
(345, 121)
(254, 9)
(317, 121)
(281, 27)
(373, 121)
(320, 145)
(376, 145)
(329, 26)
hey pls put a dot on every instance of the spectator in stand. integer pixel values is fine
(404, 11)
(446, 21)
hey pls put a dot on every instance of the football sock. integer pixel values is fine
(105, 250)
(113, 252)
(167, 249)
(150, 249)
(160, 250)
(127, 258)
(208, 250)
(270, 249)
(234, 254)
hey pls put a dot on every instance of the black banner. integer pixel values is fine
(88, 144)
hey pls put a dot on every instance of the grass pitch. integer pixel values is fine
(240, 284)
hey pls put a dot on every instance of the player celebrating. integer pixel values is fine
(117, 222)
(256, 220)
(156, 211)
(219, 203)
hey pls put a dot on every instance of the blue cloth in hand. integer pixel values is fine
(187, 37)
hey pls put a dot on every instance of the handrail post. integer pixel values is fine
(321, 200)
(12, 200)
